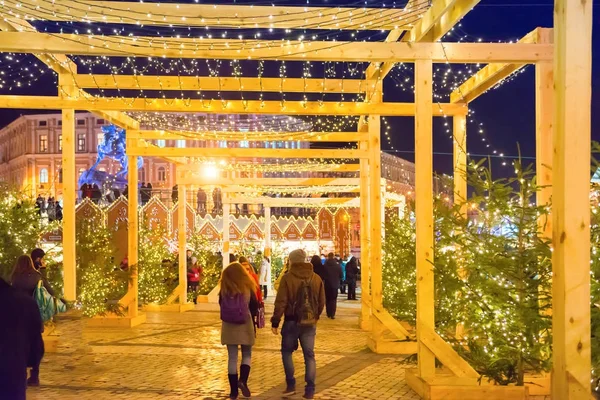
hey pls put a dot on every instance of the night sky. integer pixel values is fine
(506, 114)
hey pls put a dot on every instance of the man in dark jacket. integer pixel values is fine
(351, 277)
(333, 277)
(285, 305)
(21, 343)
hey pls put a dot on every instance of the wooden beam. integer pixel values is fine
(571, 341)
(276, 189)
(375, 201)
(225, 49)
(424, 213)
(445, 353)
(315, 202)
(182, 241)
(155, 151)
(492, 74)
(435, 23)
(544, 115)
(246, 136)
(218, 107)
(198, 179)
(365, 308)
(223, 84)
(328, 167)
(214, 16)
(460, 161)
(132, 235)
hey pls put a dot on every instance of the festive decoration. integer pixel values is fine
(211, 262)
(157, 266)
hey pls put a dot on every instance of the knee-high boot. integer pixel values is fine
(233, 385)
(243, 382)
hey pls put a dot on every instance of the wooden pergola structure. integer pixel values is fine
(563, 81)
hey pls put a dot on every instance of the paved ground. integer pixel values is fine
(179, 356)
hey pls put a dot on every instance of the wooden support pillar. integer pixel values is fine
(226, 224)
(267, 231)
(460, 161)
(182, 241)
(424, 212)
(69, 199)
(375, 211)
(544, 112)
(365, 272)
(571, 204)
(132, 233)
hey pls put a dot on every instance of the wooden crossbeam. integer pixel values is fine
(446, 354)
(253, 189)
(224, 84)
(435, 23)
(226, 107)
(198, 179)
(143, 149)
(215, 16)
(492, 74)
(246, 136)
(33, 42)
(294, 201)
(329, 167)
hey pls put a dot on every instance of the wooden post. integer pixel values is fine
(365, 273)
(544, 112)
(182, 240)
(424, 212)
(460, 161)
(132, 233)
(267, 231)
(375, 211)
(571, 204)
(69, 198)
(226, 224)
(69, 190)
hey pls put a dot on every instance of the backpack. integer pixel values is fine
(234, 309)
(306, 305)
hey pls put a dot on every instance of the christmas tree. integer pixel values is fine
(157, 266)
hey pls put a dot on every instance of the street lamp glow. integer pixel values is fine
(210, 172)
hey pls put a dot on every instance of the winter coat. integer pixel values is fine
(265, 273)
(333, 273)
(193, 274)
(21, 343)
(352, 269)
(319, 269)
(27, 283)
(289, 287)
(241, 334)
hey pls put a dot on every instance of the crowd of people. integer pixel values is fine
(21, 343)
(49, 207)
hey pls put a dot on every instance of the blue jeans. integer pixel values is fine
(291, 333)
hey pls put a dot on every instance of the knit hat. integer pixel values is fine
(297, 256)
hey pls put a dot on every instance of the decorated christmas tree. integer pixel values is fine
(157, 266)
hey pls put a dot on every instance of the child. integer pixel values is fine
(193, 277)
(239, 307)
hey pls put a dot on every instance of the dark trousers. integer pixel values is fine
(264, 288)
(351, 289)
(331, 293)
(193, 288)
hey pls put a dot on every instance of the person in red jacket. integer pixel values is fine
(194, 273)
(244, 261)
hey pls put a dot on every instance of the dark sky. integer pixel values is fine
(506, 114)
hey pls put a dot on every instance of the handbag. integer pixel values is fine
(260, 318)
(48, 305)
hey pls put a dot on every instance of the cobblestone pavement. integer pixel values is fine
(179, 356)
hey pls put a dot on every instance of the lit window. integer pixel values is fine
(162, 174)
(180, 144)
(43, 144)
(59, 142)
(44, 175)
(100, 137)
(81, 171)
(81, 142)
(244, 144)
(160, 143)
(223, 144)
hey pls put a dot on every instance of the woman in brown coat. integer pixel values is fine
(239, 307)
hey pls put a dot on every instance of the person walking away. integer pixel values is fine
(239, 307)
(333, 276)
(300, 301)
(265, 276)
(21, 343)
(351, 277)
(201, 201)
(37, 256)
(58, 211)
(149, 190)
(144, 194)
(318, 267)
(39, 204)
(250, 270)
(25, 280)
(175, 194)
(193, 278)
(343, 280)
